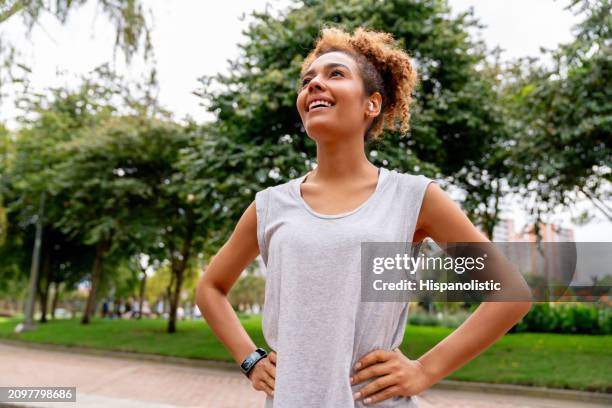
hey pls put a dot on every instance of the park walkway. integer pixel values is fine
(114, 382)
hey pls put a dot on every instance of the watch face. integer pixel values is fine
(252, 359)
(249, 361)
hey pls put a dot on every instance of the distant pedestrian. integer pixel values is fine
(118, 309)
(105, 308)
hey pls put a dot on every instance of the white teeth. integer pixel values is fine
(318, 102)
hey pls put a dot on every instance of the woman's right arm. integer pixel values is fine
(219, 276)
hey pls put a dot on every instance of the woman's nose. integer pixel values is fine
(315, 83)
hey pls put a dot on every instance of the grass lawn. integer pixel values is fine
(579, 362)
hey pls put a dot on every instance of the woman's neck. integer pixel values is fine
(342, 158)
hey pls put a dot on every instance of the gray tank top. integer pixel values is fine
(313, 317)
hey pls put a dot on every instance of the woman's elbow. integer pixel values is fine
(522, 308)
(200, 292)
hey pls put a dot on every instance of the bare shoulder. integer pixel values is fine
(433, 199)
(236, 254)
(245, 231)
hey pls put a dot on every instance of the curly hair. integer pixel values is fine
(384, 68)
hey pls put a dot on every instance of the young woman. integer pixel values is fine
(330, 349)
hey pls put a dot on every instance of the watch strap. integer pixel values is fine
(252, 359)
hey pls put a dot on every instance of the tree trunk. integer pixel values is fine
(56, 292)
(174, 299)
(34, 275)
(44, 301)
(143, 285)
(96, 275)
(178, 270)
(45, 282)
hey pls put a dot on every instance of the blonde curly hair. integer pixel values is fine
(384, 67)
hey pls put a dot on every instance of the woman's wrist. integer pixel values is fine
(429, 373)
(252, 359)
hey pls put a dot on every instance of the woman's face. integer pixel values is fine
(333, 77)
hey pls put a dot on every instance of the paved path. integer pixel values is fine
(113, 382)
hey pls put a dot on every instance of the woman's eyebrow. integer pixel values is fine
(327, 66)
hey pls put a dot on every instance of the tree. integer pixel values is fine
(132, 32)
(104, 200)
(64, 263)
(12, 69)
(173, 217)
(123, 192)
(248, 292)
(6, 152)
(455, 120)
(52, 119)
(562, 118)
(128, 16)
(489, 178)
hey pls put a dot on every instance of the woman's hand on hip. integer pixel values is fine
(396, 375)
(263, 375)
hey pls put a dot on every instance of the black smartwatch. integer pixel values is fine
(252, 359)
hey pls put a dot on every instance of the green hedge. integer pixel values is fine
(566, 318)
(440, 320)
(578, 318)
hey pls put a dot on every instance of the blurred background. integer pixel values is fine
(133, 134)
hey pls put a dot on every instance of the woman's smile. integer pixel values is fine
(319, 108)
(318, 101)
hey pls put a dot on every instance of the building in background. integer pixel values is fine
(551, 260)
(548, 232)
(504, 231)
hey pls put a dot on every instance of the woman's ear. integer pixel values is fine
(374, 104)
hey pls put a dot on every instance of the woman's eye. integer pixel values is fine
(306, 80)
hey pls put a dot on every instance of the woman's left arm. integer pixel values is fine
(443, 220)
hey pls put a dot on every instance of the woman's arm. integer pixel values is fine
(219, 277)
(444, 221)
(211, 296)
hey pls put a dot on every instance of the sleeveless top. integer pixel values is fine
(313, 317)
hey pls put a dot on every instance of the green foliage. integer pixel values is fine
(99, 177)
(159, 282)
(6, 152)
(542, 318)
(132, 30)
(458, 128)
(566, 318)
(12, 70)
(430, 319)
(247, 292)
(218, 177)
(113, 166)
(562, 117)
(157, 285)
(105, 177)
(53, 119)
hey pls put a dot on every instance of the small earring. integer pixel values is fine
(371, 106)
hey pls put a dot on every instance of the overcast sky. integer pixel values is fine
(191, 38)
